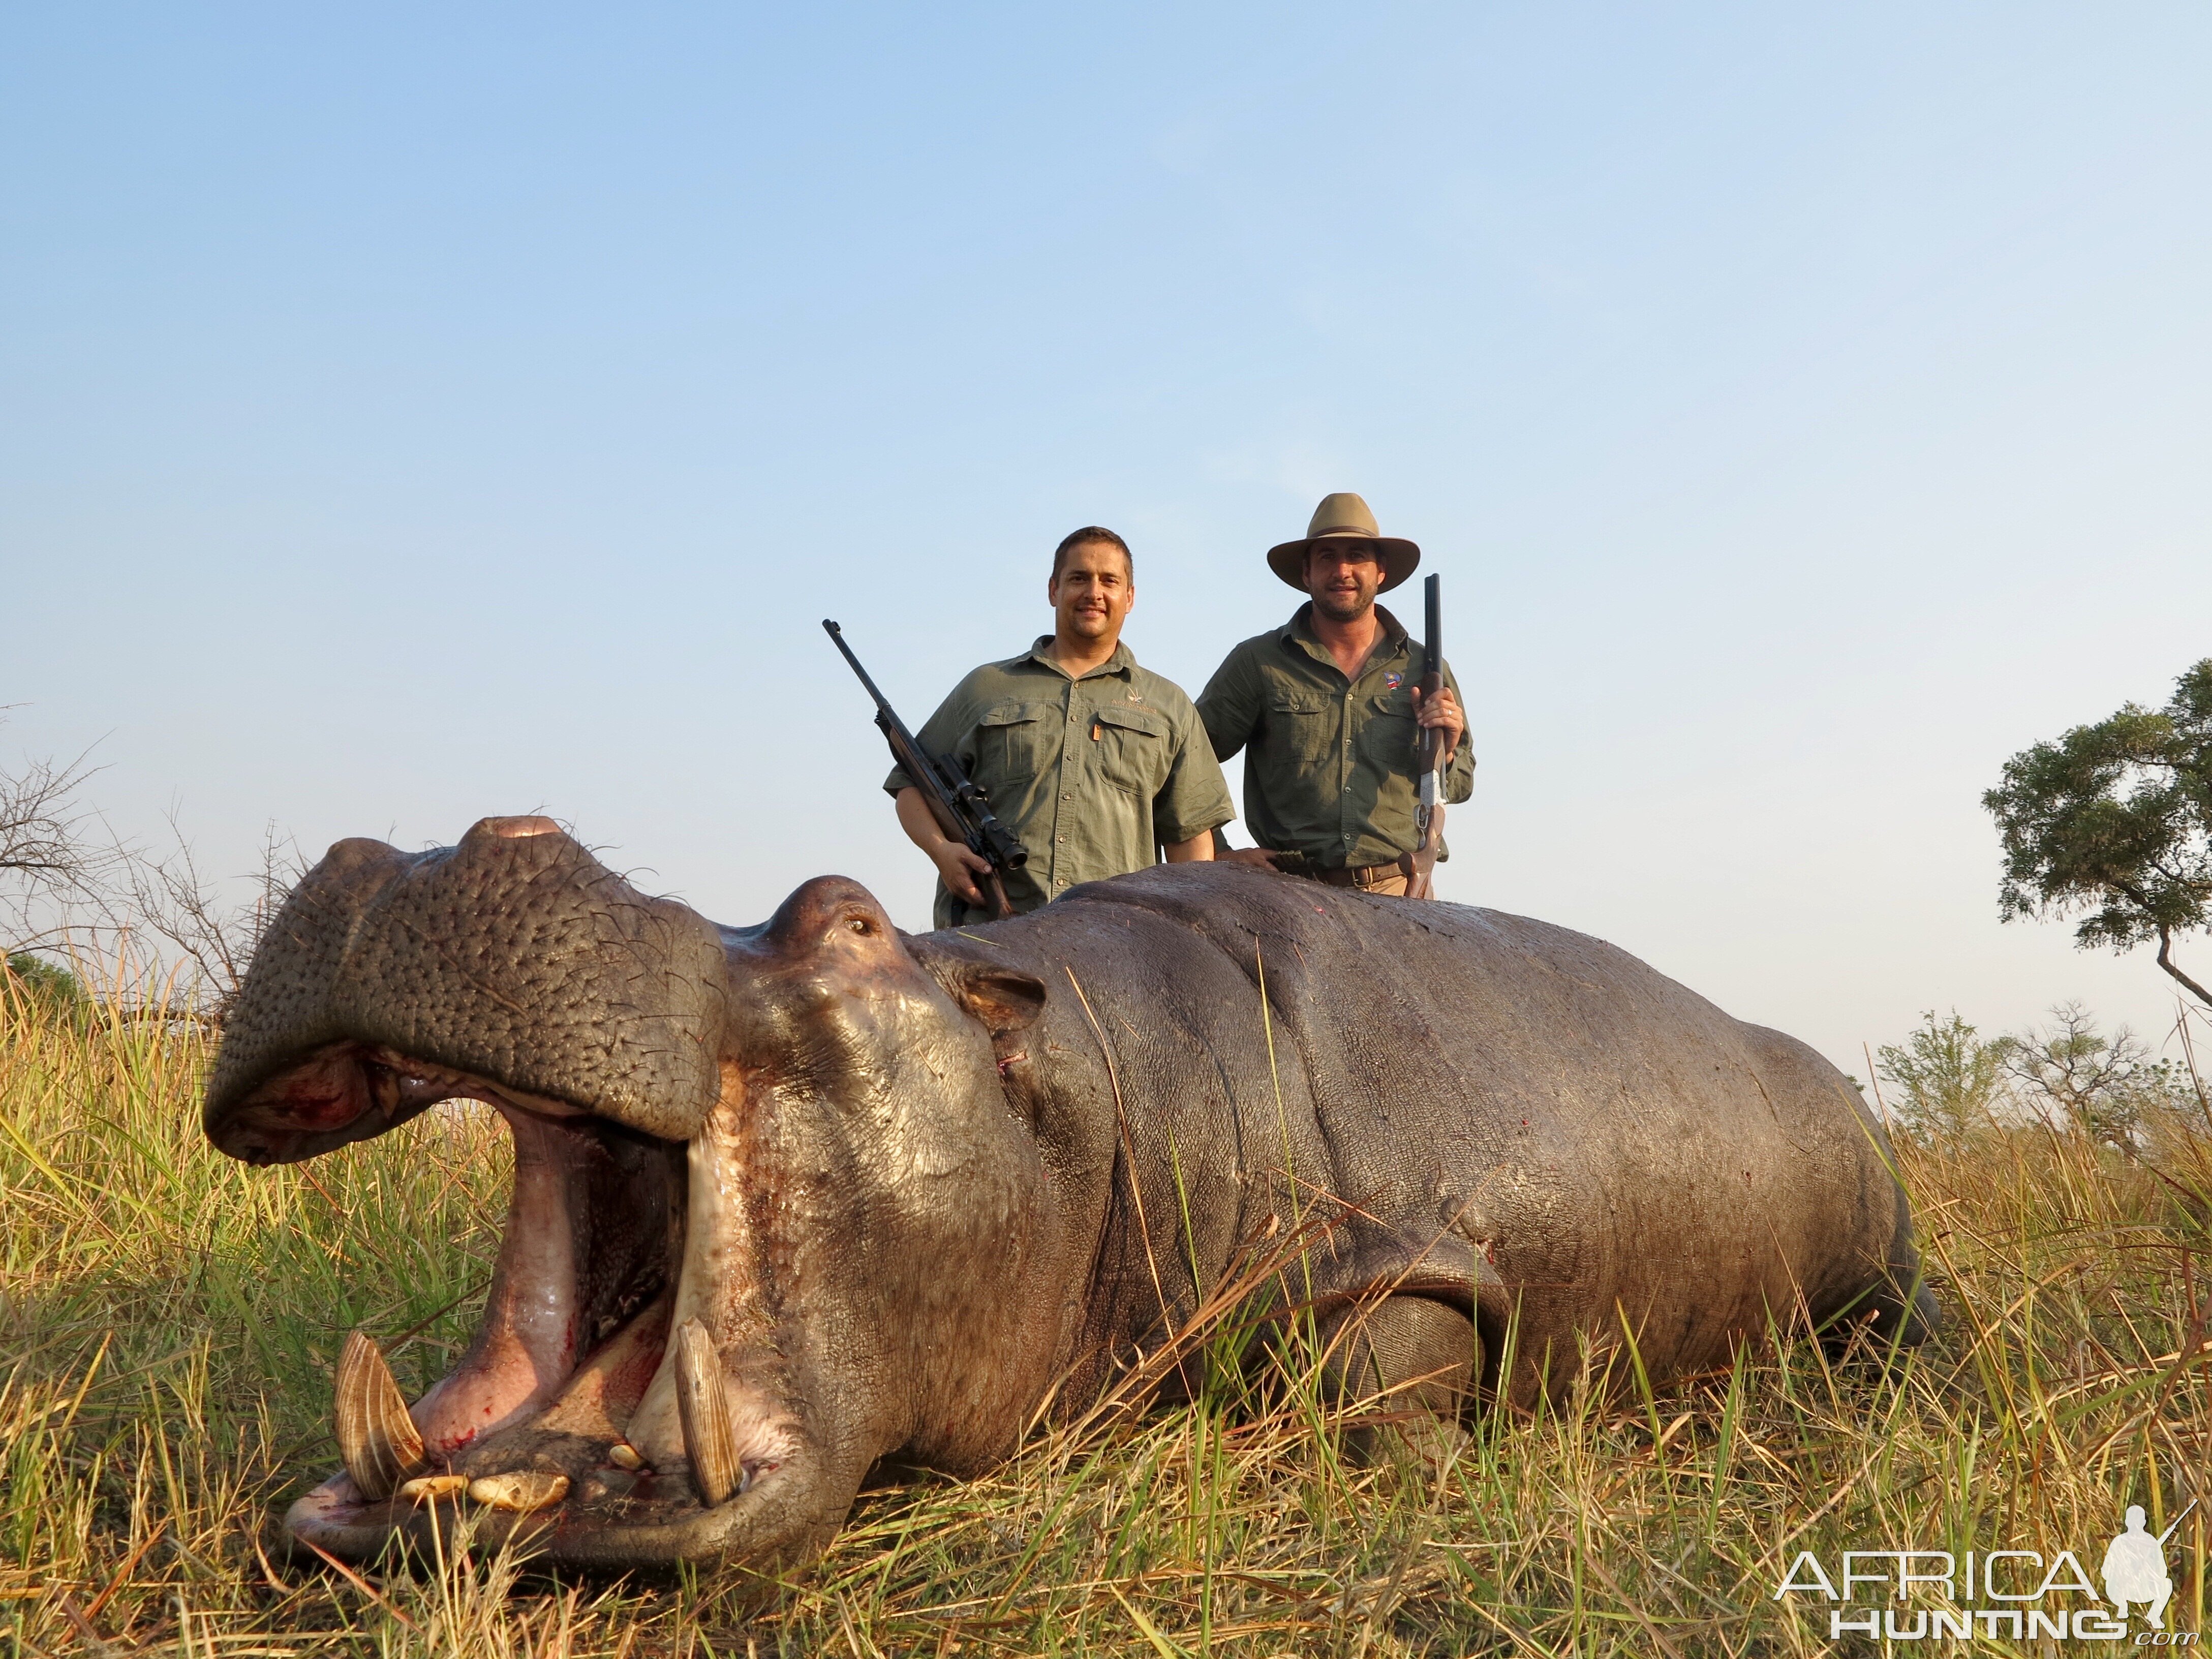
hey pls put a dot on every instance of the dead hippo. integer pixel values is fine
(792, 1198)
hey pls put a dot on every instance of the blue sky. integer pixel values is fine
(406, 416)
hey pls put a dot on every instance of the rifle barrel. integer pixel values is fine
(1432, 622)
(837, 638)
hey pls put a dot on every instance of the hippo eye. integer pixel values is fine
(859, 925)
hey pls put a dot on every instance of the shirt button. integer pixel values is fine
(1066, 796)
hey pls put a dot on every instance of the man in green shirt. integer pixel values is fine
(1328, 709)
(1096, 764)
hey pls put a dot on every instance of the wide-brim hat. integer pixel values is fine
(1343, 517)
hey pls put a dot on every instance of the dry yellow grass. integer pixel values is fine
(168, 1320)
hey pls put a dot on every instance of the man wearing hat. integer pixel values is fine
(1098, 765)
(1327, 708)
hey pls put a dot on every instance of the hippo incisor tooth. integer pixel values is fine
(378, 1440)
(710, 1439)
(425, 1487)
(520, 1490)
(624, 1456)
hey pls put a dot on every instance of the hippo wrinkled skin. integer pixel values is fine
(792, 1198)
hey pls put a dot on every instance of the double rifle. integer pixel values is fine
(1429, 810)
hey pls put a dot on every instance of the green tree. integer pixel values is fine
(1944, 1079)
(2115, 819)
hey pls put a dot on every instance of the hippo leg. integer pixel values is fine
(1423, 1356)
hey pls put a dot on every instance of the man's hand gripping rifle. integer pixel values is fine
(959, 804)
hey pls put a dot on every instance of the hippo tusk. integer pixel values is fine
(378, 1440)
(710, 1439)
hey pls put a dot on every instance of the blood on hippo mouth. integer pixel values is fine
(592, 1395)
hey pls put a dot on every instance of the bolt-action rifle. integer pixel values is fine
(956, 801)
(1429, 812)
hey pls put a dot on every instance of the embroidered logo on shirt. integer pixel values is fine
(1392, 680)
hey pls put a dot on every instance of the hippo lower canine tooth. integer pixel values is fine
(377, 1439)
(710, 1439)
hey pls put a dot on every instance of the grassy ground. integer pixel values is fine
(168, 1321)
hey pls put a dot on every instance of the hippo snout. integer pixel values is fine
(515, 955)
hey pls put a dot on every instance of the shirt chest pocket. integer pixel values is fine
(1012, 740)
(1302, 729)
(1388, 734)
(1132, 748)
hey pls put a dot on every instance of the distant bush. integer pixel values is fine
(2108, 1088)
(48, 983)
(1946, 1081)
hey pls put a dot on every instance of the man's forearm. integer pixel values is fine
(918, 821)
(1198, 849)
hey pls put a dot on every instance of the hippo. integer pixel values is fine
(797, 1200)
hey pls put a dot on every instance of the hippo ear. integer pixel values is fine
(1005, 1000)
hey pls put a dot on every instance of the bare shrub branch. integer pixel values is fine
(57, 860)
(169, 897)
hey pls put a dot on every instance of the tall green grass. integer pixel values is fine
(168, 1320)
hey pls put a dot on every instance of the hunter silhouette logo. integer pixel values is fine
(2135, 1568)
(1996, 1595)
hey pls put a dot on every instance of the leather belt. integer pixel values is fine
(1364, 875)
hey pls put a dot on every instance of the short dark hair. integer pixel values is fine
(1091, 533)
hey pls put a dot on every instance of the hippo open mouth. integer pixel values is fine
(625, 1390)
(581, 1402)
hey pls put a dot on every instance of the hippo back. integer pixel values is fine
(1604, 1149)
